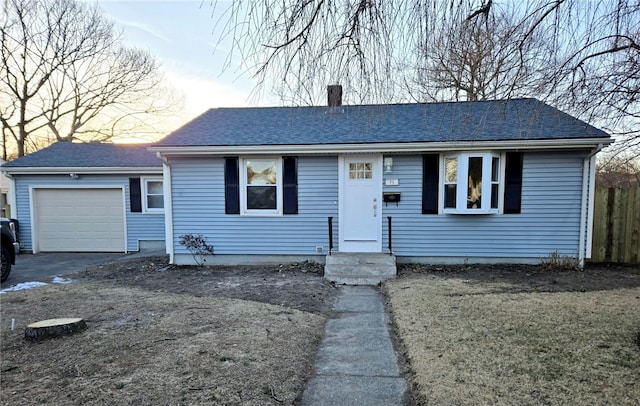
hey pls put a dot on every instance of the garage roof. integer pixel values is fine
(87, 155)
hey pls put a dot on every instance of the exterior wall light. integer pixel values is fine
(388, 165)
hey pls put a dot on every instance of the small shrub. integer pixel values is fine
(197, 246)
(557, 262)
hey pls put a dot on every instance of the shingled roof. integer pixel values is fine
(88, 155)
(515, 119)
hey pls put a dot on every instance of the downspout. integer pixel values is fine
(168, 207)
(586, 206)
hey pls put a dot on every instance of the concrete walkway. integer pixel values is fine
(356, 363)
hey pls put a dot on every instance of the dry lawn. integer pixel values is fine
(473, 341)
(155, 348)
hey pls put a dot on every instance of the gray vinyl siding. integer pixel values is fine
(549, 220)
(198, 208)
(140, 226)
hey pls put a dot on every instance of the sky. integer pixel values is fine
(180, 34)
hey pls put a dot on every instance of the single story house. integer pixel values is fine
(88, 197)
(505, 181)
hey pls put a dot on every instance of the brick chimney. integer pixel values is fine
(334, 95)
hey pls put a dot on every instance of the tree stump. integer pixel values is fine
(53, 328)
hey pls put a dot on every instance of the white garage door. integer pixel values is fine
(79, 220)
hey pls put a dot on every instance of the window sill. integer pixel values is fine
(470, 212)
(153, 212)
(261, 214)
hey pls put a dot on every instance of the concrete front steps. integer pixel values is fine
(348, 268)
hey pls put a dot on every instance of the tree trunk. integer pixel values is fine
(53, 328)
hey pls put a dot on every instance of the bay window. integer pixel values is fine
(471, 183)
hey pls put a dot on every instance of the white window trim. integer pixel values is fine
(143, 186)
(243, 188)
(462, 185)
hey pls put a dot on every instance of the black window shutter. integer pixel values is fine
(135, 195)
(290, 185)
(430, 182)
(513, 183)
(231, 186)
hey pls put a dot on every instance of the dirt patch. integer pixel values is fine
(503, 278)
(518, 334)
(299, 286)
(161, 335)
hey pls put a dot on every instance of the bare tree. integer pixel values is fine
(376, 47)
(477, 59)
(596, 60)
(618, 171)
(66, 76)
(295, 48)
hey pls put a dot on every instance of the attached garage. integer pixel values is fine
(88, 197)
(79, 220)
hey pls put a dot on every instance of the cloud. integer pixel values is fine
(202, 94)
(145, 28)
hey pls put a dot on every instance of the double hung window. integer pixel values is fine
(153, 197)
(261, 186)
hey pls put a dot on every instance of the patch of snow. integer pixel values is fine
(58, 279)
(23, 286)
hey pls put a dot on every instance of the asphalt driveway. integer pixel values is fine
(43, 267)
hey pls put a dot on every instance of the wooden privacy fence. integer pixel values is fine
(616, 226)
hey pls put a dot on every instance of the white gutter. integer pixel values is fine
(163, 159)
(398, 147)
(80, 170)
(586, 205)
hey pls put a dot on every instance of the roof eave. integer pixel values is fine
(403, 147)
(35, 170)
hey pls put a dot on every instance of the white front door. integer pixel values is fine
(360, 203)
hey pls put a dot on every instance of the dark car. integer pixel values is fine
(10, 247)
